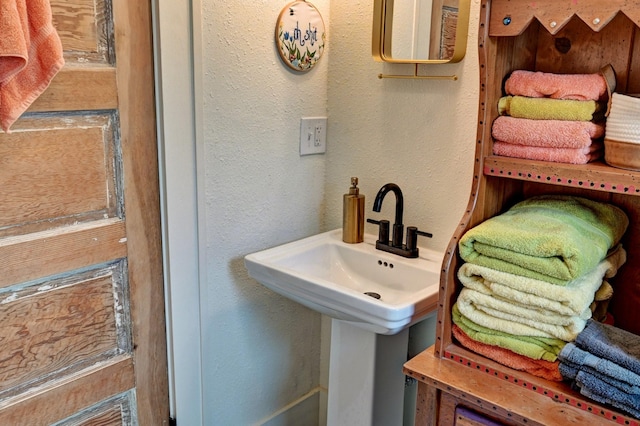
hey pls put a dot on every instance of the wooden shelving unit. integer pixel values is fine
(596, 176)
(550, 36)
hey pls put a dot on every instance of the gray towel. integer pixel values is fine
(611, 343)
(596, 389)
(610, 372)
(569, 371)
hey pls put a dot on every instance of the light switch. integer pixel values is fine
(313, 135)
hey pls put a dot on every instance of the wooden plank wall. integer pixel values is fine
(64, 287)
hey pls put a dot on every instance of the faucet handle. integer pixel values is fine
(424, 234)
(383, 230)
(412, 237)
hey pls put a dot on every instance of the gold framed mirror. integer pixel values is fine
(420, 31)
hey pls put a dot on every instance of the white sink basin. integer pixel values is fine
(333, 278)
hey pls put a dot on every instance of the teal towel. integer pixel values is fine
(552, 238)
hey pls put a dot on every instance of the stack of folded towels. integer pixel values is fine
(530, 277)
(551, 117)
(604, 364)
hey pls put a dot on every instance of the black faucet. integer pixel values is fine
(398, 226)
(395, 246)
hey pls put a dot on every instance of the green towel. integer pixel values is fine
(533, 347)
(550, 109)
(552, 238)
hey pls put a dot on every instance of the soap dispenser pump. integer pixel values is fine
(353, 214)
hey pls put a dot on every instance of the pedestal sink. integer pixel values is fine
(375, 290)
(372, 297)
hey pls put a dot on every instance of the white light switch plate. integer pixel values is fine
(313, 135)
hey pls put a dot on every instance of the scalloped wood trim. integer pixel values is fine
(510, 18)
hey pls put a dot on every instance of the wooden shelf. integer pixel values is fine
(523, 399)
(553, 37)
(560, 392)
(597, 176)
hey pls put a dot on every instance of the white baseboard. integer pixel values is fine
(303, 412)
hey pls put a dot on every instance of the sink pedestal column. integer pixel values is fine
(366, 382)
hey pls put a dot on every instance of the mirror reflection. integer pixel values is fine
(420, 31)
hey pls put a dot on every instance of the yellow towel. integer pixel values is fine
(550, 109)
(30, 55)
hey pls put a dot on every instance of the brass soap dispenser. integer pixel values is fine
(353, 214)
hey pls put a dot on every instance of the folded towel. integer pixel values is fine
(488, 300)
(541, 348)
(579, 87)
(551, 109)
(493, 312)
(607, 371)
(569, 371)
(600, 303)
(572, 299)
(545, 369)
(546, 133)
(30, 55)
(510, 327)
(594, 388)
(605, 292)
(611, 343)
(553, 238)
(556, 155)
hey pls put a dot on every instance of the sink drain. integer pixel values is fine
(372, 294)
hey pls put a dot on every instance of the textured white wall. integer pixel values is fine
(418, 134)
(260, 351)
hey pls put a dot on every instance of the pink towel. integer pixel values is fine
(546, 133)
(579, 87)
(30, 55)
(556, 155)
(546, 369)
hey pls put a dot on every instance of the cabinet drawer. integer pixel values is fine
(467, 417)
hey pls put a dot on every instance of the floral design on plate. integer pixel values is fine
(300, 35)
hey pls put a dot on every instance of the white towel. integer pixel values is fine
(501, 315)
(573, 299)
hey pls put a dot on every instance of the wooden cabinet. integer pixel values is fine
(557, 37)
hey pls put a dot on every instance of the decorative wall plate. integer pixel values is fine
(300, 35)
